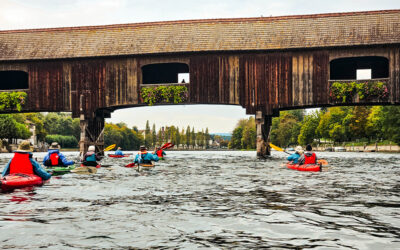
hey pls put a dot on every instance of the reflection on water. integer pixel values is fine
(211, 199)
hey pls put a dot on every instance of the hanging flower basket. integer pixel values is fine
(346, 92)
(164, 94)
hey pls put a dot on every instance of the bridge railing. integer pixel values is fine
(359, 91)
(164, 93)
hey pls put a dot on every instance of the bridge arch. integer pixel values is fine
(14, 80)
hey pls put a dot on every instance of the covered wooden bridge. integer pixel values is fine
(264, 64)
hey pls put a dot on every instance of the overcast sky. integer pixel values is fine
(23, 14)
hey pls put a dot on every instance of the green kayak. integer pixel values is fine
(60, 170)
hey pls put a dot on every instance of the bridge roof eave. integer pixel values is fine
(199, 36)
(192, 53)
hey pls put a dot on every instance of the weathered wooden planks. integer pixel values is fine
(262, 81)
(265, 82)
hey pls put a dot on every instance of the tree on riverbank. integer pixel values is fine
(338, 124)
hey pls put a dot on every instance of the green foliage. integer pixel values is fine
(285, 129)
(167, 94)
(147, 135)
(391, 123)
(61, 124)
(345, 91)
(244, 135)
(124, 137)
(308, 131)
(65, 141)
(333, 120)
(10, 128)
(373, 127)
(12, 100)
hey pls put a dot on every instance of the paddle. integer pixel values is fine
(278, 148)
(110, 147)
(321, 161)
(167, 145)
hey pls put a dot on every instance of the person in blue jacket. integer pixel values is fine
(55, 158)
(294, 158)
(118, 151)
(23, 163)
(144, 157)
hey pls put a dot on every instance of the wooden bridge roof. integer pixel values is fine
(239, 34)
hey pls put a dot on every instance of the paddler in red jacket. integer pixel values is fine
(160, 153)
(308, 157)
(23, 163)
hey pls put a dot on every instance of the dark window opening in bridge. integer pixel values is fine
(348, 68)
(165, 73)
(13, 79)
(364, 74)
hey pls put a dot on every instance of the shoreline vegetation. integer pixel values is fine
(369, 148)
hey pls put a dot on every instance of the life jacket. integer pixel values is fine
(20, 164)
(91, 157)
(55, 159)
(160, 153)
(144, 157)
(310, 159)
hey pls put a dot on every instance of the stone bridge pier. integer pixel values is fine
(263, 126)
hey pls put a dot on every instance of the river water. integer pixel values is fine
(196, 200)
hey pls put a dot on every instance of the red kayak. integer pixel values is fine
(307, 167)
(13, 181)
(117, 156)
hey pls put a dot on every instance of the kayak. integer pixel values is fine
(117, 156)
(307, 167)
(13, 181)
(59, 170)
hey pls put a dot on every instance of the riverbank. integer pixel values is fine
(369, 148)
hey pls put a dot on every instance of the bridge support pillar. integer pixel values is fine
(263, 126)
(92, 133)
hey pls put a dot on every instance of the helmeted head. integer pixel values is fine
(299, 150)
(91, 148)
(308, 147)
(54, 145)
(25, 146)
(143, 148)
(119, 148)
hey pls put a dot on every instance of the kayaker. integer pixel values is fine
(55, 158)
(308, 157)
(91, 158)
(118, 151)
(294, 158)
(160, 153)
(144, 157)
(23, 163)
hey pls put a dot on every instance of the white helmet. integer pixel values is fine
(91, 148)
(299, 150)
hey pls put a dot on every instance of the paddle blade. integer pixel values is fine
(166, 145)
(323, 162)
(130, 165)
(110, 147)
(276, 147)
